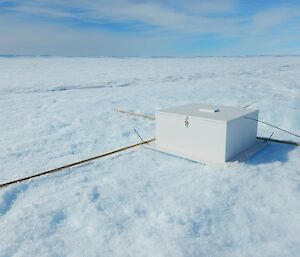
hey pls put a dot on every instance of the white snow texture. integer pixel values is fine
(143, 203)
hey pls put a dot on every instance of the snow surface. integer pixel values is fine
(143, 203)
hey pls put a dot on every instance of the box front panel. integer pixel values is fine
(192, 135)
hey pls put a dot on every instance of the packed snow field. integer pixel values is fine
(143, 203)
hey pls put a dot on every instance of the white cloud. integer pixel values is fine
(270, 18)
(42, 11)
(161, 15)
(148, 13)
(30, 38)
(210, 7)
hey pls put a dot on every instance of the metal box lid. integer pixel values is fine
(206, 111)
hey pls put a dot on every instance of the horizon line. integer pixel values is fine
(146, 56)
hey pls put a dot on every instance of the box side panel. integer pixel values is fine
(192, 136)
(241, 135)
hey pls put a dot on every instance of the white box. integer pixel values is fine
(205, 133)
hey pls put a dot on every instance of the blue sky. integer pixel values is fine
(147, 28)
